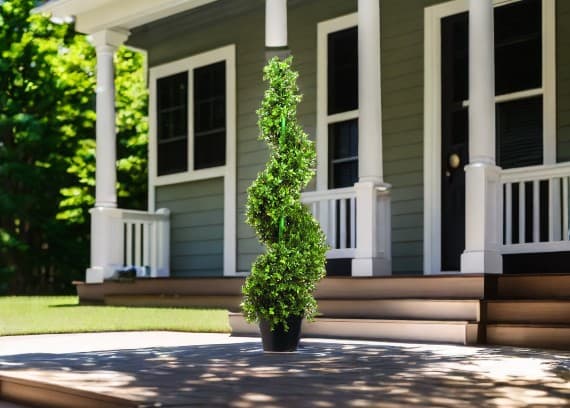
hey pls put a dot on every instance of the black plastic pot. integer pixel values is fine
(280, 340)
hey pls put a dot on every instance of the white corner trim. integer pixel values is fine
(228, 172)
(323, 29)
(432, 113)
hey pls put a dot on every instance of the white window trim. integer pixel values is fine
(432, 113)
(228, 171)
(324, 28)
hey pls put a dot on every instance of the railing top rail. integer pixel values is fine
(530, 173)
(334, 194)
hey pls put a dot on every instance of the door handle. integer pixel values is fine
(454, 161)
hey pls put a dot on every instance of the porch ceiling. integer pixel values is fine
(96, 15)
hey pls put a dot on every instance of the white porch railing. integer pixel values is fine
(129, 238)
(535, 209)
(336, 212)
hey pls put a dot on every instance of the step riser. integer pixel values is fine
(543, 337)
(401, 309)
(529, 312)
(533, 287)
(232, 303)
(441, 332)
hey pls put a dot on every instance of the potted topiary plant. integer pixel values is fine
(279, 291)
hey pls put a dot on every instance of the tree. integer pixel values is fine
(47, 117)
(283, 279)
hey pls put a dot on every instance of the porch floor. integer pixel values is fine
(178, 369)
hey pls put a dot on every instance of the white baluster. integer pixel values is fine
(146, 244)
(343, 216)
(554, 206)
(138, 243)
(522, 213)
(332, 224)
(129, 243)
(353, 222)
(509, 213)
(536, 211)
(565, 208)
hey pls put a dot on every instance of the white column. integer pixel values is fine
(483, 196)
(104, 256)
(373, 251)
(106, 43)
(276, 29)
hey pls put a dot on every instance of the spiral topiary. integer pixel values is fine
(283, 279)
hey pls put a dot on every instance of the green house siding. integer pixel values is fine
(241, 22)
(197, 227)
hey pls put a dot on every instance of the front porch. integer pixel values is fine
(520, 310)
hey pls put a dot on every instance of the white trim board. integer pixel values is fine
(432, 113)
(323, 119)
(228, 171)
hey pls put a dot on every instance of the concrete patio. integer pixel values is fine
(181, 369)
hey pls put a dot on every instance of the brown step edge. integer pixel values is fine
(232, 303)
(529, 311)
(406, 309)
(424, 331)
(527, 335)
(38, 394)
(540, 286)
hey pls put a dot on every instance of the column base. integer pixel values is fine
(94, 275)
(481, 262)
(371, 267)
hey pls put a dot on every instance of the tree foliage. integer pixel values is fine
(283, 279)
(47, 147)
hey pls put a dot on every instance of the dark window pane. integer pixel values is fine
(172, 124)
(210, 116)
(211, 148)
(172, 157)
(172, 106)
(343, 153)
(342, 71)
(518, 46)
(519, 133)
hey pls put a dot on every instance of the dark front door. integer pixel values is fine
(518, 115)
(454, 140)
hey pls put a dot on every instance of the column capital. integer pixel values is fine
(109, 38)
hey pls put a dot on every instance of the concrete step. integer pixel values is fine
(232, 303)
(529, 335)
(40, 394)
(457, 332)
(540, 286)
(529, 311)
(405, 309)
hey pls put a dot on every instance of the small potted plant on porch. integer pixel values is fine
(279, 291)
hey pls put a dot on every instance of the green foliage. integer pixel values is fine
(47, 145)
(283, 279)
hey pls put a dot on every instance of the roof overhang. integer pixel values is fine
(96, 15)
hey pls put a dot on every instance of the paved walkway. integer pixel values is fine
(180, 369)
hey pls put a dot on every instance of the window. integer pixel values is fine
(337, 110)
(191, 107)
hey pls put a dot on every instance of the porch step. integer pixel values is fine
(232, 303)
(539, 286)
(529, 335)
(40, 394)
(457, 332)
(403, 309)
(529, 311)
(464, 286)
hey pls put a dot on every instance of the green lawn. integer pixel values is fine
(63, 314)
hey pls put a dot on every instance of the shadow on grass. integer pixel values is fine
(322, 373)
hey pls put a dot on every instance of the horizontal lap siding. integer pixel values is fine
(563, 78)
(402, 114)
(197, 227)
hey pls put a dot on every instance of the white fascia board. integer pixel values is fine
(96, 15)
